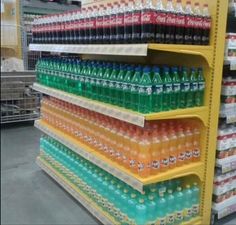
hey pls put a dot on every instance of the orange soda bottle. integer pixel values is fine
(196, 144)
(134, 150)
(188, 144)
(155, 152)
(144, 158)
(180, 146)
(172, 148)
(164, 153)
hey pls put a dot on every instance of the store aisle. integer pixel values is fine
(28, 195)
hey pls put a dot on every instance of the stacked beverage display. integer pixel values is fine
(169, 202)
(156, 148)
(127, 22)
(140, 88)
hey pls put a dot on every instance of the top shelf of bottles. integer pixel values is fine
(125, 49)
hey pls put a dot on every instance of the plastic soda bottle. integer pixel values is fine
(126, 87)
(167, 89)
(175, 97)
(184, 88)
(119, 83)
(105, 83)
(164, 152)
(112, 82)
(196, 144)
(135, 88)
(161, 209)
(93, 80)
(144, 158)
(157, 90)
(179, 199)
(187, 192)
(141, 212)
(155, 152)
(145, 91)
(151, 209)
(132, 202)
(201, 88)
(180, 146)
(195, 199)
(172, 149)
(99, 81)
(193, 89)
(188, 145)
(170, 218)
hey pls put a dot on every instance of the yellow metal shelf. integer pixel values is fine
(135, 181)
(76, 193)
(121, 113)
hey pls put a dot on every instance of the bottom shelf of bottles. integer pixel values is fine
(113, 201)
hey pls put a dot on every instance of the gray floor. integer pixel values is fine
(28, 195)
(31, 197)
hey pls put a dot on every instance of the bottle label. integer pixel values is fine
(113, 20)
(160, 18)
(181, 156)
(128, 19)
(172, 160)
(170, 219)
(155, 164)
(188, 155)
(198, 22)
(194, 86)
(120, 20)
(133, 88)
(179, 215)
(106, 22)
(111, 84)
(145, 89)
(188, 212)
(180, 20)
(148, 17)
(206, 24)
(189, 21)
(118, 85)
(196, 153)
(186, 87)
(158, 89)
(125, 86)
(165, 162)
(195, 209)
(136, 18)
(201, 86)
(170, 19)
(91, 23)
(168, 88)
(132, 163)
(176, 87)
(141, 166)
(161, 221)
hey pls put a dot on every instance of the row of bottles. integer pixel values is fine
(127, 22)
(140, 88)
(158, 147)
(169, 202)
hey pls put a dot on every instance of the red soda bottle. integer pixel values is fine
(136, 22)
(120, 23)
(77, 26)
(99, 24)
(197, 31)
(56, 29)
(86, 25)
(114, 12)
(189, 24)
(206, 25)
(92, 34)
(73, 27)
(61, 28)
(148, 20)
(128, 22)
(106, 24)
(180, 23)
(67, 28)
(160, 22)
(170, 23)
(82, 26)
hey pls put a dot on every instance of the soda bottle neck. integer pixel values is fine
(197, 10)
(205, 11)
(188, 8)
(179, 8)
(160, 6)
(169, 6)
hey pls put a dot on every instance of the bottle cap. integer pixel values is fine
(141, 200)
(179, 188)
(170, 191)
(156, 69)
(146, 69)
(133, 195)
(188, 186)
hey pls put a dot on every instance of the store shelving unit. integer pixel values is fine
(209, 57)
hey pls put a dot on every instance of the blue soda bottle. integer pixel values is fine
(179, 199)
(141, 212)
(161, 209)
(187, 192)
(195, 199)
(170, 218)
(151, 209)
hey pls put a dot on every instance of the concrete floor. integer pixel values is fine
(28, 195)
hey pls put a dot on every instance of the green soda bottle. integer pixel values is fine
(167, 89)
(145, 91)
(70, 74)
(157, 90)
(193, 88)
(151, 209)
(119, 83)
(135, 88)
(126, 87)
(99, 81)
(38, 70)
(170, 218)
(112, 83)
(93, 80)
(90, 65)
(184, 88)
(179, 199)
(175, 97)
(63, 75)
(77, 72)
(195, 199)
(201, 88)
(83, 77)
(56, 72)
(141, 212)
(187, 192)
(46, 72)
(105, 82)
(161, 209)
